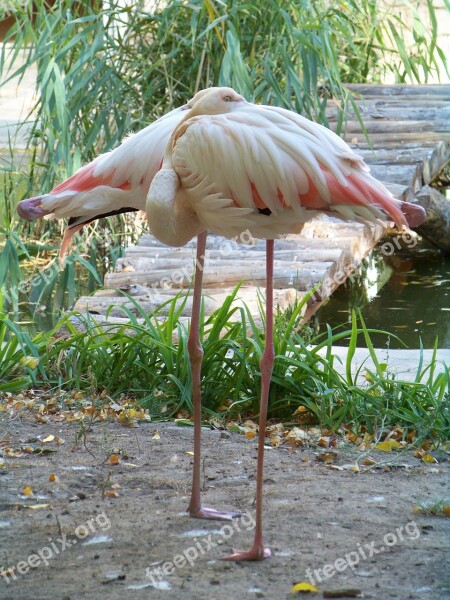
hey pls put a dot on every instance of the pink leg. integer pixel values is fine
(195, 356)
(258, 551)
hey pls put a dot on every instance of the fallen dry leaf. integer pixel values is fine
(111, 494)
(297, 437)
(327, 457)
(303, 587)
(388, 446)
(428, 458)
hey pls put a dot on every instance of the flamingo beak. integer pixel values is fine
(30, 209)
(414, 213)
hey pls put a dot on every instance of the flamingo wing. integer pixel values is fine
(271, 170)
(114, 182)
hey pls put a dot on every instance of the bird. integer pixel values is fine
(223, 165)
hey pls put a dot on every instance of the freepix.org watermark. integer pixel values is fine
(201, 546)
(404, 240)
(410, 531)
(44, 555)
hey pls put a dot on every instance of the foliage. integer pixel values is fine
(147, 359)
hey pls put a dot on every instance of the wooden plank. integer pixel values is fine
(213, 299)
(297, 275)
(387, 126)
(407, 175)
(214, 259)
(400, 89)
(393, 140)
(435, 164)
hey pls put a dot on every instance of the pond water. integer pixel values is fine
(406, 294)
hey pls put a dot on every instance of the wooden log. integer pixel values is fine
(393, 139)
(435, 164)
(213, 299)
(400, 90)
(214, 260)
(436, 228)
(302, 278)
(391, 109)
(408, 175)
(384, 126)
(286, 244)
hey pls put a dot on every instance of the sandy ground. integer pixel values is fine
(104, 528)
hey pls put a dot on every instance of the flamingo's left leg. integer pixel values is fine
(195, 351)
(258, 551)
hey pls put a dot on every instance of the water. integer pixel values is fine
(406, 294)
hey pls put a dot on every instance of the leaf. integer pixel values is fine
(111, 494)
(114, 459)
(297, 436)
(49, 438)
(428, 458)
(27, 491)
(303, 587)
(53, 477)
(327, 457)
(388, 446)
(156, 436)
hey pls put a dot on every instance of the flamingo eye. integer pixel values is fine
(227, 98)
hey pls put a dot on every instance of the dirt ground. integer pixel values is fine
(114, 530)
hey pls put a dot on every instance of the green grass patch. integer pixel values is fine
(147, 359)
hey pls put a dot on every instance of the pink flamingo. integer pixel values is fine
(224, 165)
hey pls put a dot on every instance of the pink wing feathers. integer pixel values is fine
(259, 161)
(113, 183)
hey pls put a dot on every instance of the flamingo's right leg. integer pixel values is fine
(195, 351)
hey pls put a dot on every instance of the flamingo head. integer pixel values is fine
(215, 101)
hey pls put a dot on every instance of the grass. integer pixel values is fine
(142, 360)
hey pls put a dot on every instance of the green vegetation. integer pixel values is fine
(147, 359)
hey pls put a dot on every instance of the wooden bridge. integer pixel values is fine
(408, 148)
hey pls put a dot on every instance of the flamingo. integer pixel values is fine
(223, 165)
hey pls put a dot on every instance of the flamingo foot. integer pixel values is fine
(256, 553)
(213, 514)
